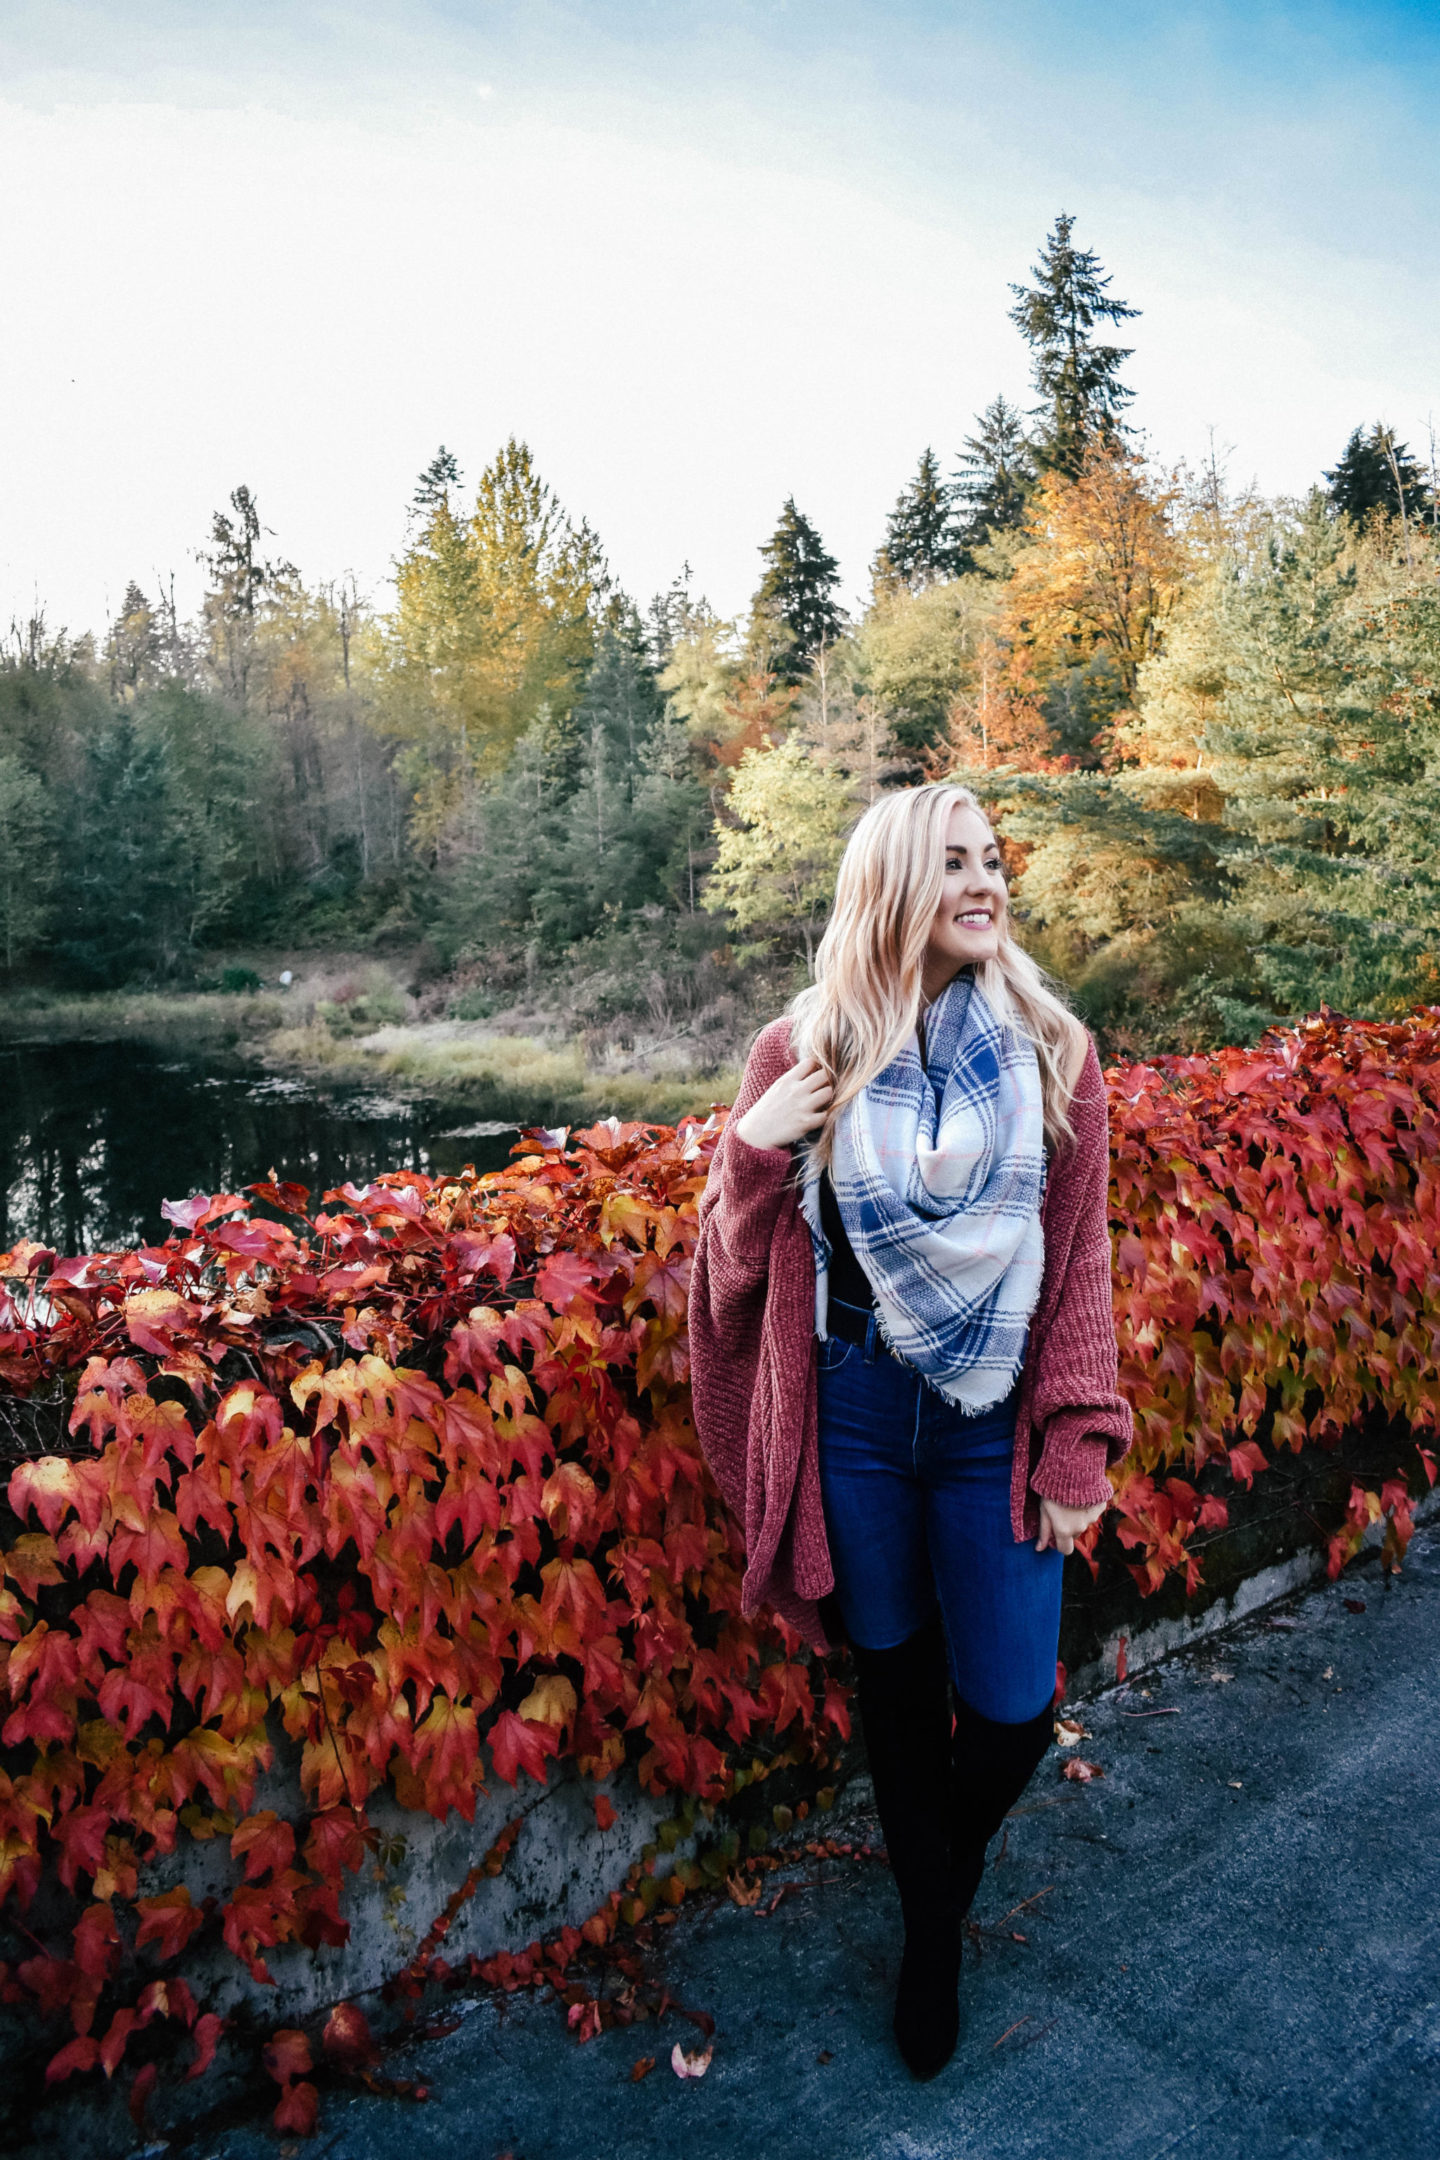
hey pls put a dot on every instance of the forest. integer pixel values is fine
(1207, 725)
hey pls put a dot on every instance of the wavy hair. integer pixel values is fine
(864, 1003)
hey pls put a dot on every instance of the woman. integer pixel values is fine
(903, 1345)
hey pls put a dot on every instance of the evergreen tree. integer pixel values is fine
(1078, 379)
(133, 647)
(995, 476)
(1377, 473)
(795, 601)
(919, 547)
(434, 485)
(27, 860)
(241, 581)
(119, 914)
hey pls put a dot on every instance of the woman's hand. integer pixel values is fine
(1060, 1526)
(791, 1106)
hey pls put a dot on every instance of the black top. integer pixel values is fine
(848, 1280)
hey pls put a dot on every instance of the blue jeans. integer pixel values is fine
(917, 1509)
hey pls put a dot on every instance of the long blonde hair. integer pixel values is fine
(865, 1001)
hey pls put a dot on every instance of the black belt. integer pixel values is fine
(852, 1324)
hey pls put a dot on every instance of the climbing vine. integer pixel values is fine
(410, 1478)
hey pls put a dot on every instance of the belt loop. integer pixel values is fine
(871, 1336)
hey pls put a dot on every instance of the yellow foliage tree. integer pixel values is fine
(493, 621)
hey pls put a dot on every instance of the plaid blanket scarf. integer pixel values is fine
(939, 1172)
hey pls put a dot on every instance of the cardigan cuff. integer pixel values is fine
(1071, 1469)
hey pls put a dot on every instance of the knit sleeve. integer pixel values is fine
(743, 1192)
(1085, 1422)
(729, 1275)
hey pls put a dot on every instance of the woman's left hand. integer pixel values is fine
(1060, 1526)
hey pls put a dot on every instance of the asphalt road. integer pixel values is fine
(1232, 1953)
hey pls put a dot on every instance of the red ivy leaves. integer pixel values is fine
(434, 1444)
(449, 1534)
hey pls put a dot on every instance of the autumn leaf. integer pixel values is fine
(517, 1745)
(1080, 1771)
(347, 2040)
(605, 1815)
(641, 2068)
(690, 2065)
(169, 1919)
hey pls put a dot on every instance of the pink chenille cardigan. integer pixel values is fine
(752, 1347)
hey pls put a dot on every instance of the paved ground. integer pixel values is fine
(1239, 1958)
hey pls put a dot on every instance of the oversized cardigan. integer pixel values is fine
(752, 1347)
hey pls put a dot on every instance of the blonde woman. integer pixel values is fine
(903, 1344)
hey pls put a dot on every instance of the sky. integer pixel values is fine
(701, 257)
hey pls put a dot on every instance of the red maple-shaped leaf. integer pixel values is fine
(81, 2053)
(169, 1918)
(208, 2028)
(347, 2039)
(264, 1842)
(141, 2087)
(516, 1744)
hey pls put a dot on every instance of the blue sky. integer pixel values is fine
(702, 256)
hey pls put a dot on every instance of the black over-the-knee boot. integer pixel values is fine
(904, 1697)
(991, 1766)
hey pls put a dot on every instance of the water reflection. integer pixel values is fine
(93, 1136)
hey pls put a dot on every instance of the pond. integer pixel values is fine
(94, 1135)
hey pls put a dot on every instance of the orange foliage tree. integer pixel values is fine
(1102, 571)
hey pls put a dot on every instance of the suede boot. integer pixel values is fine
(904, 1699)
(991, 1765)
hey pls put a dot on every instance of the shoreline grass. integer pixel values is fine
(525, 1079)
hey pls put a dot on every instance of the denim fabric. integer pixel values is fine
(917, 1510)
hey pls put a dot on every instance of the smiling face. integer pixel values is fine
(972, 902)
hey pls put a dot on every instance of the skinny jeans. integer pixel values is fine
(917, 1511)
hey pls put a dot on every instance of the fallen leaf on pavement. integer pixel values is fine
(1068, 1731)
(1235, 1783)
(641, 2068)
(690, 2066)
(1354, 1604)
(1081, 1771)
(741, 1894)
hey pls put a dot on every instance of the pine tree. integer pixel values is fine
(1377, 473)
(996, 473)
(241, 582)
(434, 485)
(132, 647)
(919, 547)
(795, 601)
(1078, 379)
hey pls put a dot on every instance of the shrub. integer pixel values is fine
(413, 1476)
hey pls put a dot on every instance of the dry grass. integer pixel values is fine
(521, 1076)
(201, 1019)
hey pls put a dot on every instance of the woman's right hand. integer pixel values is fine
(791, 1106)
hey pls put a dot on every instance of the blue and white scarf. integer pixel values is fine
(939, 1171)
